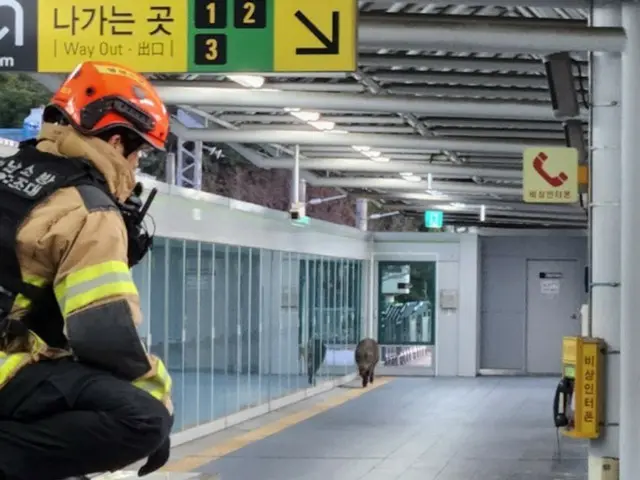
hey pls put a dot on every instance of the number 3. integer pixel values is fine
(250, 10)
(212, 49)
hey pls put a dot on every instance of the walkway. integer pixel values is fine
(404, 429)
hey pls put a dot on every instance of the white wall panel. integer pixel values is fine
(184, 213)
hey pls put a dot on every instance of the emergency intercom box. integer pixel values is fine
(583, 361)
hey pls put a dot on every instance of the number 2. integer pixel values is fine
(250, 10)
(212, 49)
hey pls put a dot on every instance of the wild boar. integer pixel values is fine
(367, 357)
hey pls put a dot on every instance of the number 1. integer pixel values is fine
(211, 7)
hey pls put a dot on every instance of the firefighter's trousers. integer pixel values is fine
(62, 418)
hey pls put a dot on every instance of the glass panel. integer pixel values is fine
(244, 345)
(142, 277)
(407, 312)
(265, 319)
(253, 314)
(191, 347)
(221, 319)
(287, 315)
(206, 334)
(158, 309)
(277, 345)
(323, 302)
(234, 330)
(175, 294)
(407, 302)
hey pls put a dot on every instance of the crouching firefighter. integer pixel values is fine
(78, 392)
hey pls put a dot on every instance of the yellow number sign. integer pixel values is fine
(150, 36)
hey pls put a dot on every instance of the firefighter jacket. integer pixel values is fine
(73, 243)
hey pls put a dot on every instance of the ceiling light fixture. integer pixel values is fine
(306, 116)
(249, 81)
(323, 125)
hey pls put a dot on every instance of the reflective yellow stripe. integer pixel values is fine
(158, 386)
(23, 302)
(10, 363)
(92, 284)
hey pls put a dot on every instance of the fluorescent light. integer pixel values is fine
(249, 81)
(413, 178)
(436, 194)
(458, 206)
(373, 154)
(324, 125)
(380, 159)
(406, 174)
(429, 181)
(306, 116)
(483, 213)
(359, 148)
(339, 132)
(291, 109)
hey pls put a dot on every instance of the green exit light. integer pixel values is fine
(301, 222)
(433, 218)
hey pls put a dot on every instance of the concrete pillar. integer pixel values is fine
(605, 225)
(630, 291)
(362, 214)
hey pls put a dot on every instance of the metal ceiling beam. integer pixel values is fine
(502, 3)
(470, 93)
(534, 223)
(488, 202)
(478, 79)
(177, 94)
(293, 137)
(492, 212)
(435, 62)
(534, 135)
(491, 132)
(315, 86)
(483, 34)
(353, 165)
(393, 120)
(339, 119)
(406, 186)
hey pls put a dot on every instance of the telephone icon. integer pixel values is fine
(553, 180)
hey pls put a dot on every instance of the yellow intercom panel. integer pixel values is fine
(583, 363)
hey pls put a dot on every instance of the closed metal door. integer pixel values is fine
(553, 302)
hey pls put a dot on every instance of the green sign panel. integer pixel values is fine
(433, 218)
(234, 36)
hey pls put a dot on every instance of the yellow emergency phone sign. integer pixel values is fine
(583, 359)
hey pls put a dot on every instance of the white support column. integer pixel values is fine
(605, 227)
(170, 169)
(189, 165)
(630, 291)
(362, 214)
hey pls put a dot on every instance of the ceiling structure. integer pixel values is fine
(425, 122)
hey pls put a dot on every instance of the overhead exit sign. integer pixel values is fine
(433, 218)
(182, 36)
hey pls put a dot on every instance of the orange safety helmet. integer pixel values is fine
(98, 96)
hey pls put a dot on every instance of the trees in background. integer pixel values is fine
(19, 93)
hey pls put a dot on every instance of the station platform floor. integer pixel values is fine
(403, 428)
